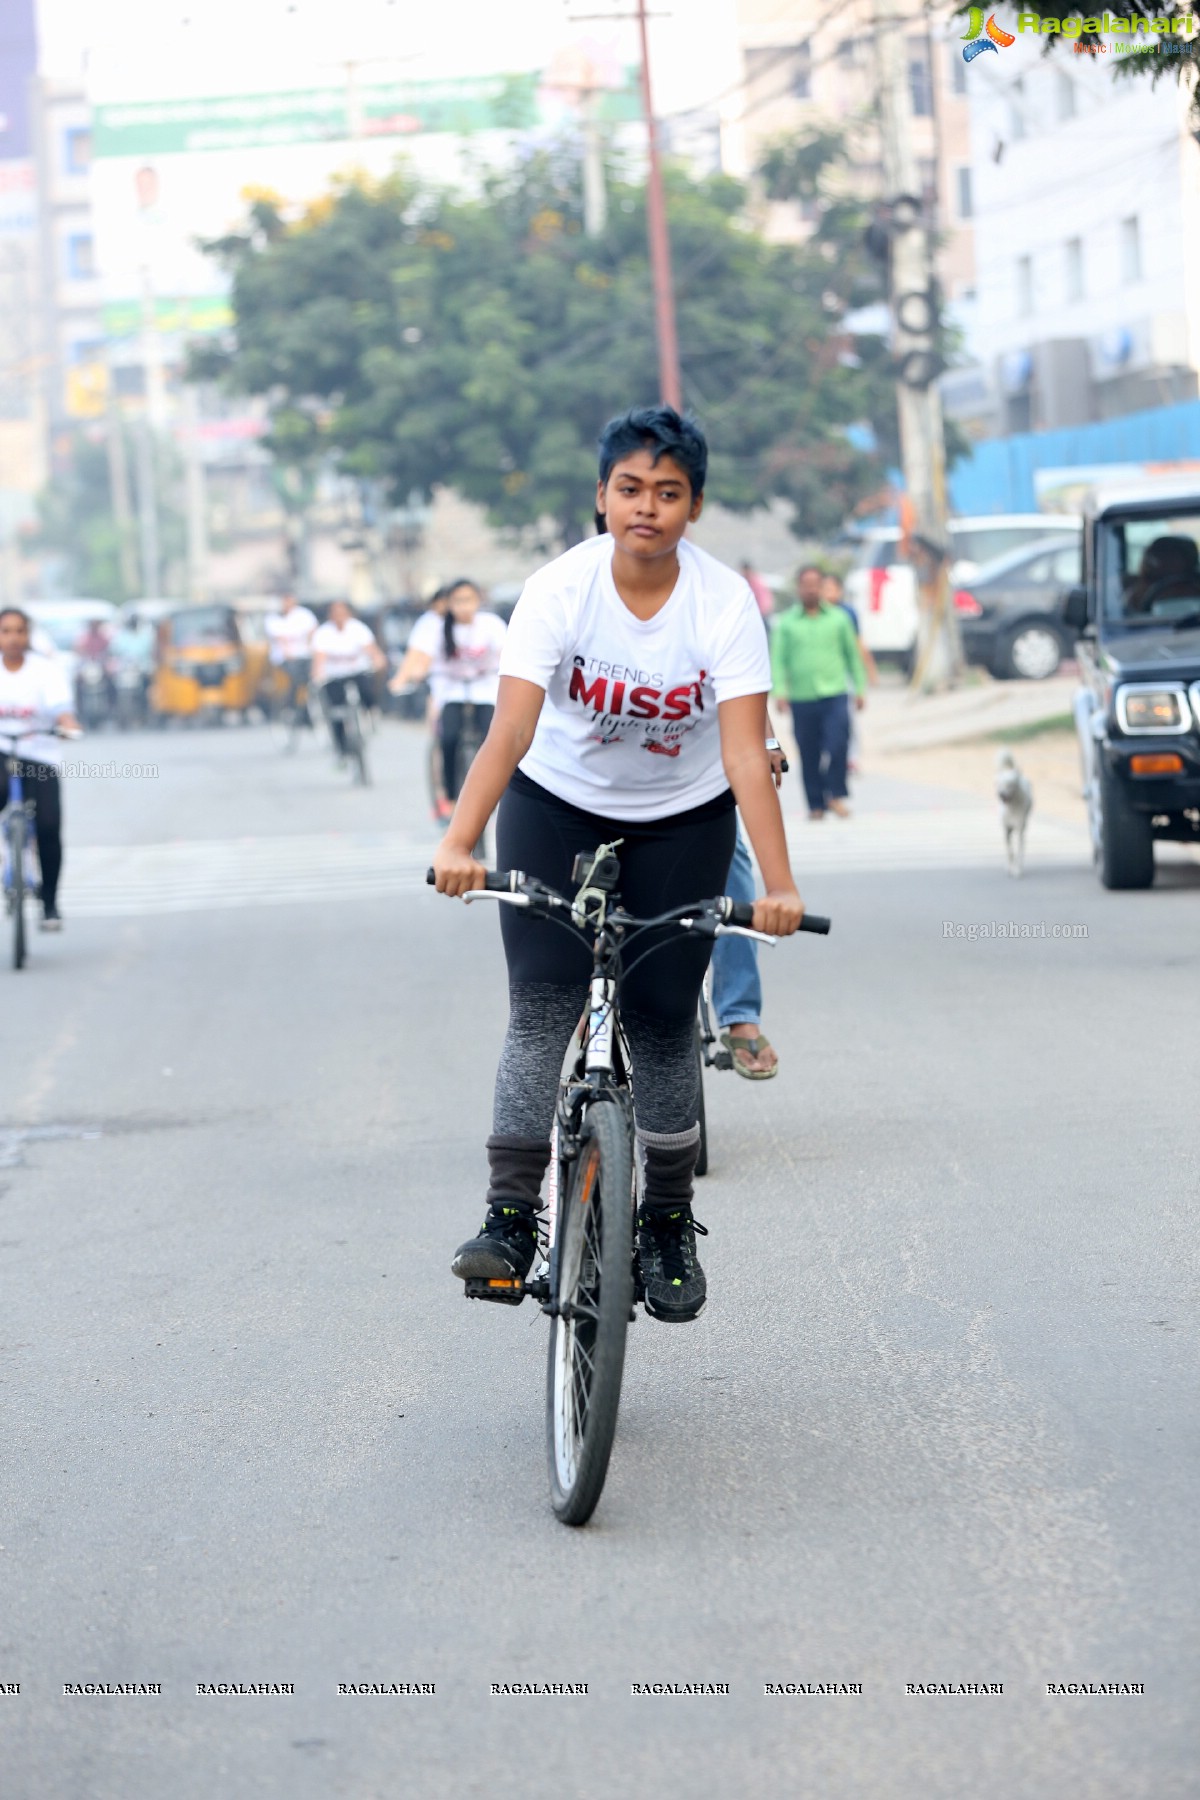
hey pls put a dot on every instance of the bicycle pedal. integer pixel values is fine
(723, 1059)
(507, 1292)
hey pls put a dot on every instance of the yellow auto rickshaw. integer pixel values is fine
(204, 669)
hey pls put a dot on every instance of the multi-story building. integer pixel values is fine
(72, 354)
(809, 65)
(1088, 192)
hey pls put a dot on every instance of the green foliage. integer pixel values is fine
(415, 336)
(75, 516)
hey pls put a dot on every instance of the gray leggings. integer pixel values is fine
(664, 863)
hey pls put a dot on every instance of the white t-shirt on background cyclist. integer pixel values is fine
(473, 672)
(289, 634)
(31, 699)
(347, 651)
(629, 729)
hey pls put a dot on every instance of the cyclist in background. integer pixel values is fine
(343, 651)
(459, 655)
(35, 694)
(631, 697)
(289, 642)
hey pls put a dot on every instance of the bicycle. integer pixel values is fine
(349, 709)
(19, 875)
(587, 1282)
(294, 715)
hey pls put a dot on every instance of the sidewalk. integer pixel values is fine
(895, 721)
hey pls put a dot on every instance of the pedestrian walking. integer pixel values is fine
(763, 597)
(815, 659)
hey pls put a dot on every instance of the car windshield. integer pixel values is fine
(985, 543)
(1049, 559)
(64, 634)
(1149, 566)
(203, 626)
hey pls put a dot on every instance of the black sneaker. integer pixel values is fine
(671, 1274)
(504, 1249)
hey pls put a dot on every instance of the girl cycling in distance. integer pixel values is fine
(459, 652)
(631, 705)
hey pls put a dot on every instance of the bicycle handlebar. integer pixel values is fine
(740, 912)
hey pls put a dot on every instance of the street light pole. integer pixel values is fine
(660, 244)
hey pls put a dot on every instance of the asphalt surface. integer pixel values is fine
(937, 1424)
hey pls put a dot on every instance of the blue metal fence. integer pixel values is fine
(999, 475)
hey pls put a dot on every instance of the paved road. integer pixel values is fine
(937, 1425)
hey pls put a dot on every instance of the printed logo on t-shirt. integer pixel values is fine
(629, 703)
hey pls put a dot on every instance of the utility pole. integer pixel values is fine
(660, 244)
(595, 198)
(197, 498)
(656, 220)
(914, 308)
(118, 483)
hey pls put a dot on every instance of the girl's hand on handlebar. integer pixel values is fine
(779, 913)
(456, 870)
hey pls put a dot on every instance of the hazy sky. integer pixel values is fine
(146, 48)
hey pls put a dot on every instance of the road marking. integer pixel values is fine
(205, 875)
(943, 838)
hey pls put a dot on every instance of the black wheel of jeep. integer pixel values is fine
(1124, 841)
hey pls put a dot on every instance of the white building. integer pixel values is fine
(1087, 246)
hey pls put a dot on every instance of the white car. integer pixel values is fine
(59, 624)
(883, 590)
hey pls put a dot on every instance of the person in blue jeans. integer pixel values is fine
(737, 986)
(815, 659)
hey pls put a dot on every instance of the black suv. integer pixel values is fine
(1138, 712)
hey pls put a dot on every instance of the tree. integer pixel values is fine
(812, 169)
(417, 336)
(75, 516)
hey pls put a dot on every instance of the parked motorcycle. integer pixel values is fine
(130, 685)
(93, 693)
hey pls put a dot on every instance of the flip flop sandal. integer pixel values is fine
(753, 1047)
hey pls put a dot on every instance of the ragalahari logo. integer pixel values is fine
(995, 38)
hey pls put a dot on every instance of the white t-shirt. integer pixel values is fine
(473, 672)
(33, 696)
(629, 728)
(346, 651)
(288, 633)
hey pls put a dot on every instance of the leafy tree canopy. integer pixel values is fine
(75, 516)
(417, 336)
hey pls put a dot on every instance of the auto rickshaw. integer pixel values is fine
(205, 670)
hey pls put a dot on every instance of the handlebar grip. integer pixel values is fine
(741, 912)
(495, 881)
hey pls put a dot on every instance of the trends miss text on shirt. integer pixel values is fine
(612, 685)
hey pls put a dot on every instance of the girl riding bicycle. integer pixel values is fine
(459, 653)
(631, 705)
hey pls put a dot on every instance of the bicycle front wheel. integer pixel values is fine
(594, 1295)
(702, 1151)
(356, 746)
(16, 850)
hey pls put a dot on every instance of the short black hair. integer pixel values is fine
(17, 612)
(662, 431)
(809, 569)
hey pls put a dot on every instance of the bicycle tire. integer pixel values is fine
(16, 849)
(702, 1148)
(356, 746)
(586, 1358)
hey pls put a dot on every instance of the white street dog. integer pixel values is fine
(1015, 794)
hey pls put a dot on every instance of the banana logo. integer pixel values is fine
(975, 43)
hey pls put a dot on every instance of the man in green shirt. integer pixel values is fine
(815, 659)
